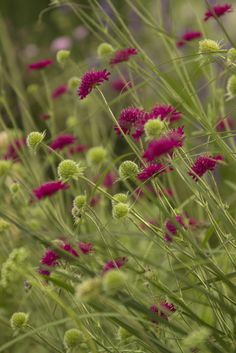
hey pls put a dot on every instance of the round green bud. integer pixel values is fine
(123, 334)
(71, 121)
(196, 338)
(96, 155)
(80, 201)
(32, 89)
(4, 167)
(72, 338)
(69, 169)
(231, 86)
(208, 46)
(153, 128)
(128, 169)
(19, 320)
(34, 139)
(120, 198)
(62, 56)
(4, 225)
(120, 210)
(113, 281)
(104, 49)
(88, 290)
(73, 83)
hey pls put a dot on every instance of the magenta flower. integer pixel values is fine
(225, 123)
(152, 170)
(165, 145)
(123, 55)
(164, 309)
(49, 189)
(188, 36)
(90, 80)
(114, 264)
(14, 148)
(204, 164)
(85, 248)
(62, 141)
(67, 247)
(165, 112)
(109, 180)
(121, 85)
(49, 259)
(39, 65)
(94, 201)
(132, 121)
(79, 148)
(44, 116)
(59, 91)
(218, 10)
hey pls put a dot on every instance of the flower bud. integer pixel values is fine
(231, 56)
(231, 86)
(96, 155)
(34, 139)
(113, 281)
(120, 198)
(80, 201)
(4, 167)
(19, 320)
(72, 338)
(128, 169)
(69, 169)
(32, 89)
(104, 49)
(208, 46)
(71, 121)
(120, 210)
(62, 56)
(73, 83)
(153, 128)
(88, 290)
(4, 225)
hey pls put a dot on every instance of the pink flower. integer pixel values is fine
(188, 36)
(14, 148)
(49, 259)
(59, 91)
(79, 148)
(49, 189)
(121, 85)
(85, 248)
(114, 264)
(218, 10)
(39, 65)
(123, 55)
(165, 145)
(67, 247)
(152, 170)
(131, 121)
(166, 112)
(225, 123)
(202, 165)
(164, 309)
(62, 141)
(90, 80)
(109, 180)
(60, 43)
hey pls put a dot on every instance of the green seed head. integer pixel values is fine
(104, 49)
(62, 56)
(120, 198)
(88, 290)
(208, 46)
(128, 169)
(69, 169)
(120, 210)
(80, 201)
(231, 86)
(96, 155)
(153, 128)
(19, 320)
(4, 167)
(113, 281)
(72, 338)
(34, 139)
(32, 89)
(73, 83)
(231, 56)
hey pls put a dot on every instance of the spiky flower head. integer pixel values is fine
(120, 210)
(19, 320)
(96, 155)
(208, 46)
(113, 281)
(104, 49)
(88, 289)
(231, 86)
(120, 198)
(69, 169)
(128, 170)
(153, 128)
(4, 167)
(62, 56)
(80, 201)
(34, 139)
(231, 56)
(72, 338)
(90, 80)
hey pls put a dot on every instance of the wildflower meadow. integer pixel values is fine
(118, 176)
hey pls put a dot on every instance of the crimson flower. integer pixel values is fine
(114, 264)
(204, 164)
(48, 189)
(218, 11)
(188, 36)
(166, 113)
(59, 91)
(39, 65)
(151, 170)
(90, 80)
(62, 141)
(85, 248)
(123, 55)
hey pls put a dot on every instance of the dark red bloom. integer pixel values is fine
(165, 112)
(224, 124)
(114, 264)
(121, 85)
(165, 145)
(164, 309)
(49, 259)
(85, 248)
(109, 180)
(123, 55)
(59, 91)
(188, 36)
(152, 169)
(44, 116)
(90, 80)
(131, 121)
(67, 247)
(49, 188)
(14, 148)
(218, 11)
(202, 165)
(94, 200)
(62, 141)
(40, 64)
(79, 148)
